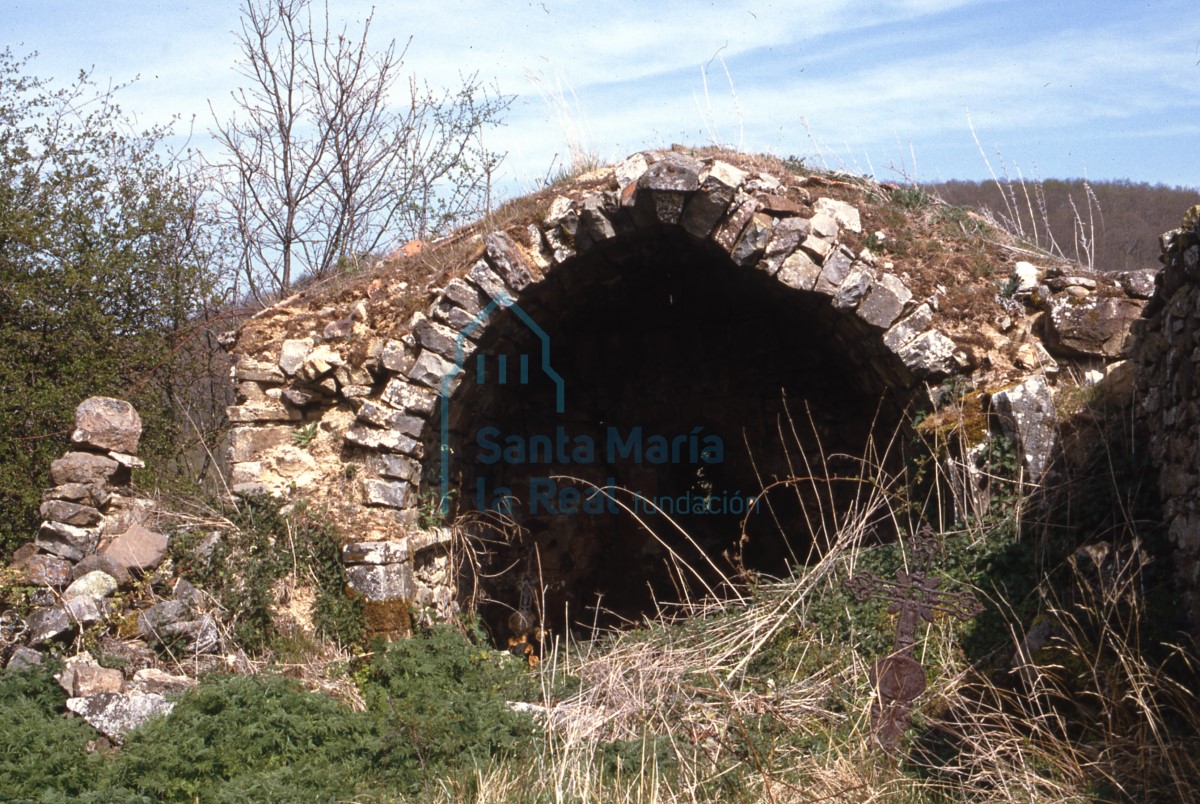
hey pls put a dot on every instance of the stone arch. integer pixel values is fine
(749, 240)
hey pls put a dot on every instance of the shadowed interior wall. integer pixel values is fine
(659, 337)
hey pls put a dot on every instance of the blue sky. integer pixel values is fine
(1109, 89)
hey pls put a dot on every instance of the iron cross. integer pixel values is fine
(899, 678)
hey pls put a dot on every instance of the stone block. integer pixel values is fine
(753, 242)
(834, 270)
(66, 541)
(264, 410)
(23, 658)
(442, 340)
(95, 496)
(842, 213)
(824, 226)
(799, 271)
(595, 220)
(630, 170)
(401, 394)
(1095, 327)
(886, 301)
(487, 280)
(386, 493)
(396, 356)
(138, 550)
(396, 467)
(47, 570)
(786, 237)
(395, 552)
(1026, 413)
(101, 562)
(432, 370)
(152, 622)
(1138, 284)
(292, 354)
(378, 582)
(47, 624)
(718, 185)
(96, 584)
(107, 424)
(930, 354)
(86, 610)
(246, 369)
(672, 173)
(903, 332)
(251, 443)
(69, 513)
(854, 288)
(91, 679)
(115, 715)
(87, 468)
(508, 261)
(384, 440)
(728, 231)
(321, 362)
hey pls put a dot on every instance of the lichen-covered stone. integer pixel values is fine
(1026, 412)
(115, 715)
(386, 440)
(1096, 327)
(47, 570)
(930, 354)
(378, 582)
(94, 584)
(402, 395)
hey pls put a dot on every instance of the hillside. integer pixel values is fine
(1117, 223)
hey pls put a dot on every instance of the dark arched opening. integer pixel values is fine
(686, 381)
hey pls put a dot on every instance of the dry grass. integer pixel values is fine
(766, 698)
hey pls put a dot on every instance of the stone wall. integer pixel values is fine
(1167, 361)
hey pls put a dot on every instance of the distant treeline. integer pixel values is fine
(1114, 225)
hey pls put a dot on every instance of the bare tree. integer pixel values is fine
(320, 167)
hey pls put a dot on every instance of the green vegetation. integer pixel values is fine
(436, 707)
(104, 270)
(262, 547)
